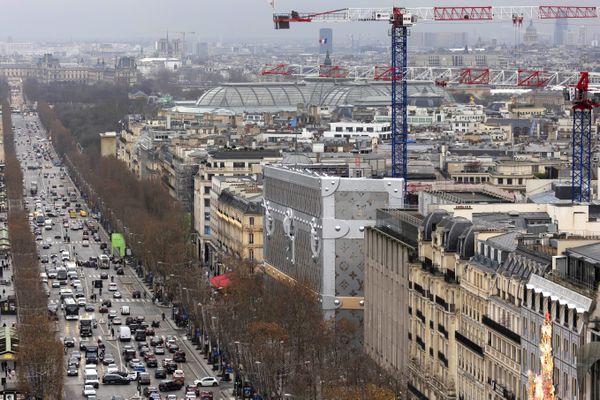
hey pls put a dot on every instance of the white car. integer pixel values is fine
(85, 243)
(206, 381)
(88, 390)
(112, 287)
(111, 368)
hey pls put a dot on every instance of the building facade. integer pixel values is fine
(236, 217)
(390, 246)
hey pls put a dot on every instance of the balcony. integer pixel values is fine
(442, 330)
(490, 323)
(442, 358)
(468, 343)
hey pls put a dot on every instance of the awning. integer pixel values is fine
(222, 281)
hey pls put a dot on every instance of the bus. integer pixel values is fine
(71, 309)
(61, 275)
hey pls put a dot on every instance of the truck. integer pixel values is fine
(33, 188)
(86, 324)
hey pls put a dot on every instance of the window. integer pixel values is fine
(251, 254)
(206, 202)
(251, 238)
(339, 129)
(239, 165)
(206, 189)
(251, 221)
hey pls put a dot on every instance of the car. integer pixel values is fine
(108, 359)
(159, 349)
(135, 363)
(173, 347)
(117, 397)
(90, 307)
(148, 390)
(72, 370)
(115, 379)
(85, 243)
(81, 302)
(179, 356)
(112, 314)
(88, 390)
(120, 271)
(150, 332)
(83, 344)
(112, 287)
(117, 295)
(169, 386)
(204, 395)
(76, 354)
(44, 258)
(104, 275)
(143, 378)
(170, 365)
(144, 349)
(112, 368)
(192, 389)
(103, 309)
(73, 361)
(152, 362)
(160, 373)
(69, 341)
(155, 341)
(117, 321)
(206, 381)
(46, 245)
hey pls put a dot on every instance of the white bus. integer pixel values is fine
(71, 309)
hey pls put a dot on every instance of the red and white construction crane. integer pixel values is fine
(401, 19)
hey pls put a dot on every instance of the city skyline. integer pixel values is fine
(37, 20)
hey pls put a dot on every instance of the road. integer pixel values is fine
(54, 186)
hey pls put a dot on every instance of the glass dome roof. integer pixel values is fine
(278, 96)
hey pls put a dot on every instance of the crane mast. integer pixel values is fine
(401, 19)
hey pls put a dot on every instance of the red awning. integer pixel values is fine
(222, 281)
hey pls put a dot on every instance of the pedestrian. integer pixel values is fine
(7, 372)
(112, 331)
(163, 316)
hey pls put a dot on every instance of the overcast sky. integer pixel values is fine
(228, 19)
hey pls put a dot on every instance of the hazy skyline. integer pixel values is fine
(39, 20)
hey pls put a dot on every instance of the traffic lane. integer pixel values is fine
(195, 371)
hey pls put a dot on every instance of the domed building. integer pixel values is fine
(286, 96)
(531, 35)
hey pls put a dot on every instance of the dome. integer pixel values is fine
(281, 96)
(254, 96)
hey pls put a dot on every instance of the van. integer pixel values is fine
(124, 334)
(65, 256)
(90, 377)
(125, 310)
